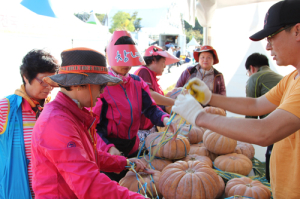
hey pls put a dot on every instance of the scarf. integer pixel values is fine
(206, 76)
(125, 78)
(35, 105)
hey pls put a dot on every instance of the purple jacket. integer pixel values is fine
(190, 72)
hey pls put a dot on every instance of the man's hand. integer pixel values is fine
(140, 166)
(199, 90)
(188, 108)
(114, 151)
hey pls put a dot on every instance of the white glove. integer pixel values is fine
(199, 90)
(188, 108)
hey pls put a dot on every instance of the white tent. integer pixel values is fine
(93, 20)
(193, 42)
(22, 30)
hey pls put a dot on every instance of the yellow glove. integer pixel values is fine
(199, 90)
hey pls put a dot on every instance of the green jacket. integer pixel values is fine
(260, 83)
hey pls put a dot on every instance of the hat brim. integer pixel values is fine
(170, 59)
(197, 53)
(264, 33)
(73, 79)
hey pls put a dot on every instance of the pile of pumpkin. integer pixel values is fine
(183, 166)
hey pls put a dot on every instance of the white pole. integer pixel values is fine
(205, 37)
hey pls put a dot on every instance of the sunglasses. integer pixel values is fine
(268, 38)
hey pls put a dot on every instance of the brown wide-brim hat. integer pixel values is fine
(206, 48)
(81, 66)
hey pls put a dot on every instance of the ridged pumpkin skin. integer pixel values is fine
(247, 187)
(195, 135)
(215, 110)
(217, 143)
(132, 184)
(245, 149)
(221, 187)
(200, 158)
(158, 164)
(173, 149)
(235, 163)
(188, 180)
(200, 149)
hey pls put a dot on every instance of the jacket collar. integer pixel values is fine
(80, 114)
(263, 68)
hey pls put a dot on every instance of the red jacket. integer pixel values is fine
(63, 160)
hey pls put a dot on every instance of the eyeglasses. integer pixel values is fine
(44, 84)
(102, 87)
(268, 38)
(248, 73)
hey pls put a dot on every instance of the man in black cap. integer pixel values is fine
(282, 31)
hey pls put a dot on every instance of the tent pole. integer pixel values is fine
(205, 38)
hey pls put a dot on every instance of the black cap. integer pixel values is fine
(279, 15)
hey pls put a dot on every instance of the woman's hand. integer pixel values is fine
(114, 151)
(140, 166)
(172, 127)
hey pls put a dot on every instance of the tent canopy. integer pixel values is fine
(41, 7)
(193, 42)
(93, 19)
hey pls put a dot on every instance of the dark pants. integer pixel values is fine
(117, 177)
(178, 63)
(169, 67)
(268, 155)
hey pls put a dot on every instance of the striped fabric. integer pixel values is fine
(28, 124)
(3, 113)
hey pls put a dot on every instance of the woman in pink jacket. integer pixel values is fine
(65, 159)
(122, 106)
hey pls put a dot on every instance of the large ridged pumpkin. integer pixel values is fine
(235, 163)
(215, 110)
(200, 158)
(200, 149)
(130, 181)
(247, 187)
(158, 164)
(195, 135)
(221, 187)
(217, 143)
(189, 180)
(245, 149)
(173, 149)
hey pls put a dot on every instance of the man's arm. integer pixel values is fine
(275, 127)
(242, 105)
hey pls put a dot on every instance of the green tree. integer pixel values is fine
(136, 21)
(102, 18)
(191, 31)
(122, 20)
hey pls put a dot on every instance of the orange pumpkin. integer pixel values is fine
(221, 187)
(195, 135)
(200, 158)
(200, 149)
(132, 183)
(217, 143)
(245, 149)
(247, 187)
(173, 149)
(215, 110)
(235, 163)
(158, 164)
(189, 180)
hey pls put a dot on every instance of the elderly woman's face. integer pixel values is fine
(206, 60)
(38, 89)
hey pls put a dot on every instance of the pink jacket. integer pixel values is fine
(63, 160)
(120, 111)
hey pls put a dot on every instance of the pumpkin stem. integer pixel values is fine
(249, 185)
(190, 171)
(192, 159)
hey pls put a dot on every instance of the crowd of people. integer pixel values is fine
(80, 144)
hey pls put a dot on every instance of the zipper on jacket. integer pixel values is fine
(130, 110)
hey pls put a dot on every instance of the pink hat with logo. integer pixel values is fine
(123, 54)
